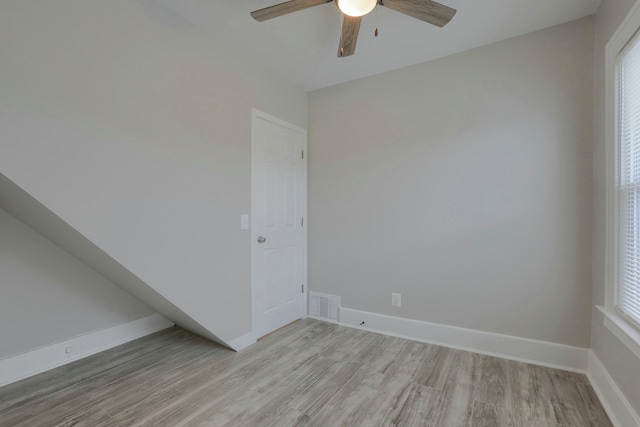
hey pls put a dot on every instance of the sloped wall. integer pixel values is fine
(137, 134)
(49, 296)
(32, 213)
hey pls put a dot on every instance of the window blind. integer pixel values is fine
(628, 182)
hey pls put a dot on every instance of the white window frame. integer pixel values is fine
(627, 332)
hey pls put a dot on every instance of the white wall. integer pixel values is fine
(465, 184)
(620, 362)
(28, 210)
(49, 296)
(138, 134)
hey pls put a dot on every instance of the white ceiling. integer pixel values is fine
(303, 46)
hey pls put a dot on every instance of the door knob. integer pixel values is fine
(262, 239)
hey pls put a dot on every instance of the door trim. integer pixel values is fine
(257, 114)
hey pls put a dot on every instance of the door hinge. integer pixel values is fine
(302, 288)
(302, 154)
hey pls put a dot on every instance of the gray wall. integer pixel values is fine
(135, 129)
(465, 184)
(617, 359)
(49, 296)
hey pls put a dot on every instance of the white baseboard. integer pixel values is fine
(20, 366)
(508, 347)
(324, 319)
(242, 342)
(615, 403)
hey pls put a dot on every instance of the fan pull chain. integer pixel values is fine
(375, 33)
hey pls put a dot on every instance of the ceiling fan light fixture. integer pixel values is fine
(356, 8)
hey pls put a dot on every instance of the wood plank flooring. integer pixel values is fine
(308, 374)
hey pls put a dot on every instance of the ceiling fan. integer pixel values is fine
(353, 11)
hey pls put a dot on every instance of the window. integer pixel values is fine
(627, 300)
(622, 298)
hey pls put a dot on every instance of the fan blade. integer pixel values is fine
(285, 8)
(349, 36)
(425, 10)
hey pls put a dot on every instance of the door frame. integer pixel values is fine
(260, 115)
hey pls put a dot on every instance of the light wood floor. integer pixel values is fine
(310, 373)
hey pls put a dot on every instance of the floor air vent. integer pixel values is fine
(324, 307)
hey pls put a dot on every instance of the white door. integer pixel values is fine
(278, 237)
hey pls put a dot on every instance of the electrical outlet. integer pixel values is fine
(396, 300)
